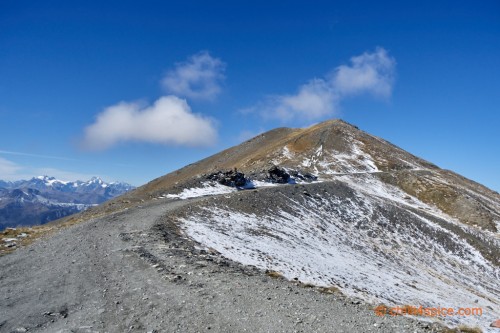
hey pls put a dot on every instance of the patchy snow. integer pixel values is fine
(209, 188)
(10, 240)
(259, 183)
(359, 245)
(214, 188)
(328, 163)
(319, 151)
(284, 155)
(371, 185)
(287, 153)
(357, 161)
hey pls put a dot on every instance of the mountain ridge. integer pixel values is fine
(329, 207)
(255, 156)
(43, 199)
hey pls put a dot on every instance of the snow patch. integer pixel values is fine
(209, 188)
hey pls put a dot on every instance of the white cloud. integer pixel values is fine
(9, 169)
(313, 100)
(371, 73)
(36, 155)
(168, 121)
(198, 78)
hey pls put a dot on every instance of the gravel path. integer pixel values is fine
(132, 272)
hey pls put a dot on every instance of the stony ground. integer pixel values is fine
(133, 272)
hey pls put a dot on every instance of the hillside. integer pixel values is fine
(294, 230)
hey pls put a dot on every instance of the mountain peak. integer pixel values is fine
(333, 149)
(44, 178)
(96, 179)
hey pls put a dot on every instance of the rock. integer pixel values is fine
(231, 178)
(308, 177)
(278, 175)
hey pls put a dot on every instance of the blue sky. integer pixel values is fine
(131, 90)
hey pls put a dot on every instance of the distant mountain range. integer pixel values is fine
(43, 199)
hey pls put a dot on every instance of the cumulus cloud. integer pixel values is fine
(198, 78)
(313, 100)
(371, 73)
(168, 121)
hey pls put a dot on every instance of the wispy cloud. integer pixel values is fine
(168, 121)
(198, 78)
(13, 171)
(371, 73)
(37, 155)
(8, 169)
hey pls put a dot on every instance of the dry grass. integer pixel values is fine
(330, 290)
(462, 329)
(274, 274)
(36, 232)
(24, 236)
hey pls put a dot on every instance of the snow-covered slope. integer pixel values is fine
(376, 244)
(378, 222)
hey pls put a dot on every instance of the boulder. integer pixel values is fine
(308, 177)
(231, 178)
(278, 175)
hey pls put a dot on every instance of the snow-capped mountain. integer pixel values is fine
(43, 199)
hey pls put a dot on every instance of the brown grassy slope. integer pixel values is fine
(457, 196)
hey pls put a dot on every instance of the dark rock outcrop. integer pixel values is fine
(231, 178)
(308, 177)
(278, 175)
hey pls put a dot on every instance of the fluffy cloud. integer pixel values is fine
(198, 78)
(313, 100)
(371, 73)
(168, 121)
